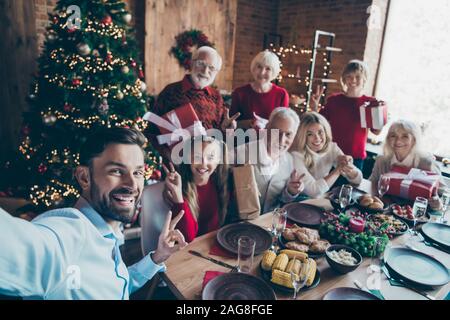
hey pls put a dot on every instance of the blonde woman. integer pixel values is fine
(200, 187)
(319, 158)
(261, 96)
(402, 147)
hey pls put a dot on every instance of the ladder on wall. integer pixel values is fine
(324, 78)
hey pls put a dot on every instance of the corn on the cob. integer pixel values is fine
(295, 254)
(311, 271)
(282, 278)
(294, 266)
(280, 262)
(268, 259)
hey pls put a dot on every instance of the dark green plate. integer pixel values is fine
(417, 267)
(437, 233)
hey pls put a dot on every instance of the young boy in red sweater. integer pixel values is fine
(342, 112)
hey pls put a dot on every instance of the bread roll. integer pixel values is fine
(376, 205)
(366, 202)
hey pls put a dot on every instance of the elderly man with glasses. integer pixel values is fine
(195, 88)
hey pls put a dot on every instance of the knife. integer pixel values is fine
(220, 263)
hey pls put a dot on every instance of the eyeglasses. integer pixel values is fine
(202, 64)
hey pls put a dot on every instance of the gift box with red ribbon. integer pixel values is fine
(373, 114)
(176, 125)
(410, 183)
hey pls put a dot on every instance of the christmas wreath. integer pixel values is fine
(184, 46)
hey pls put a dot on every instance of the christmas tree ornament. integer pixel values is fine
(125, 69)
(96, 53)
(119, 95)
(127, 17)
(103, 108)
(156, 175)
(107, 20)
(133, 63)
(42, 168)
(143, 86)
(83, 49)
(141, 73)
(76, 82)
(68, 107)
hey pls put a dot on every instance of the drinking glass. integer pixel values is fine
(279, 218)
(246, 251)
(299, 281)
(383, 185)
(378, 253)
(379, 256)
(445, 203)
(419, 211)
(345, 196)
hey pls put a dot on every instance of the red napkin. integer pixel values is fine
(209, 275)
(217, 250)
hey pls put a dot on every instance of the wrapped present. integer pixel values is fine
(178, 124)
(373, 114)
(410, 183)
(247, 193)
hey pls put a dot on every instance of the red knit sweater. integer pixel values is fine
(208, 219)
(343, 114)
(246, 101)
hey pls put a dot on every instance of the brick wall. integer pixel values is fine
(255, 18)
(298, 19)
(294, 20)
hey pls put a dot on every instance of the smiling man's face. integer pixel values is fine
(116, 182)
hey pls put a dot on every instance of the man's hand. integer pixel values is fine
(229, 123)
(295, 184)
(170, 240)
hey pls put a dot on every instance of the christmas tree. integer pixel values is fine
(89, 76)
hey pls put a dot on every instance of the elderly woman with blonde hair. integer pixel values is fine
(402, 147)
(261, 96)
(319, 158)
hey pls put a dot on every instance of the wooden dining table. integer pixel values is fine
(185, 272)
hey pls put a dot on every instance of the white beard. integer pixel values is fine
(201, 82)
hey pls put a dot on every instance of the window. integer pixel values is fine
(414, 73)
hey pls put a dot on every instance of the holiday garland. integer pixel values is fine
(185, 42)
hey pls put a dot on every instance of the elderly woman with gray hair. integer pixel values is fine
(261, 96)
(402, 147)
(278, 182)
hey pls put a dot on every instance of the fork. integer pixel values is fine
(388, 275)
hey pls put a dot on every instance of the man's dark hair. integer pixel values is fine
(98, 140)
